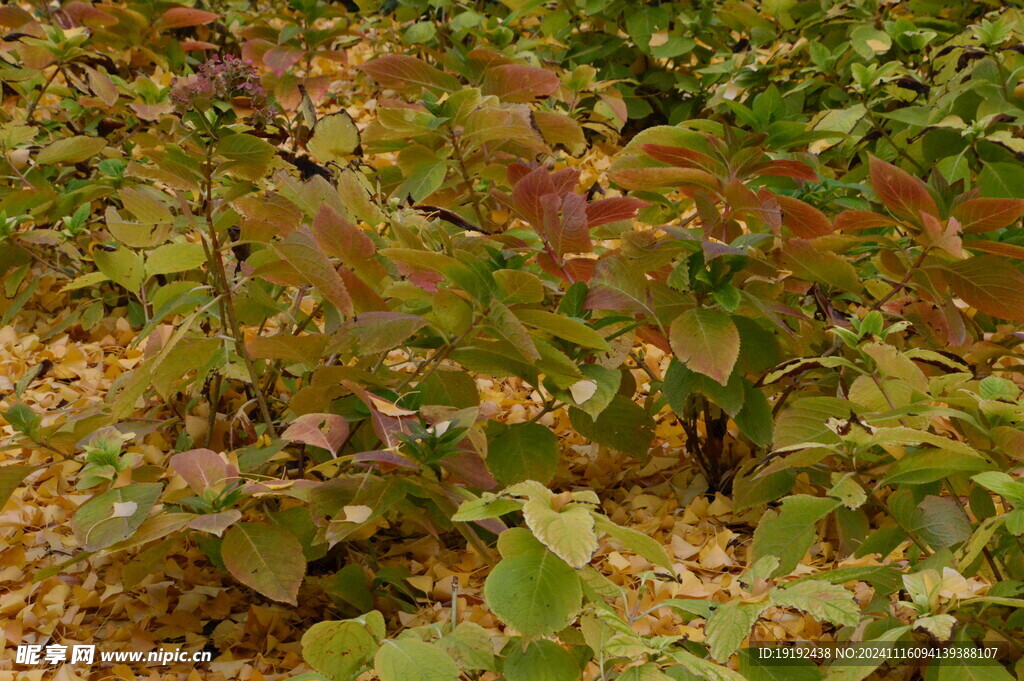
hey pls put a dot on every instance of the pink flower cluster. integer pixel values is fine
(224, 78)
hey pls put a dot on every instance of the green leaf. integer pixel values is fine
(409, 659)
(470, 646)
(707, 342)
(266, 558)
(702, 669)
(795, 669)
(564, 327)
(487, 506)
(73, 149)
(637, 542)
(451, 389)
(729, 625)
(1002, 180)
(508, 326)
(114, 515)
(1003, 485)
(623, 425)
(822, 600)
(681, 382)
(340, 648)
(804, 420)
(859, 669)
(375, 332)
(967, 669)
(122, 267)
(788, 533)
(535, 592)
(10, 478)
(136, 234)
(419, 33)
(247, 157)
(755, 420)
(23, 418)
(594, 393)
(334, 137)
(521, 451)
(424, 171)
(541, 660)
(568, 533)
(519, 287)
(928, 465)
(940, 522)
(172, 258)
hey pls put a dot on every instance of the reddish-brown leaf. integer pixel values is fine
(282, 59)
(400, 71)
(996, 248)
(802, 218)
(945, 237)
(989, 284)
(853, 220)
(341, 238)
(528, 192)
(180, 17)
(985, 215)
(519, 82)
(643, 179)
(680, 157)
(203, 469)
(707, 341)
(798, 170)
(327, 431)
(565, 223)
(616, 208)
(902, 193)
(302, 252)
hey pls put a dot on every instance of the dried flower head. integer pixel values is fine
(227, 79)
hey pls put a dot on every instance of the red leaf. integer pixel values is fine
(707, 341)
(853, 220)
(202, 469)
(327, 431)
(483, 59)
(341, 238)
(902, 193)
(519, 82)
(996, 248)
(180, 17)
(802, 218)
(281, 59)
(195, 45)
(400, 71)
(565, 223)
(989, 284)
(528, 192)
(681, 157)
(946, 237)
(783, 168)
(565, 180)
(985, 215)
(617, 208)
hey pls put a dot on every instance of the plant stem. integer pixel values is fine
(457, 149)
(228, 307)
(902, 283)
(31, 109)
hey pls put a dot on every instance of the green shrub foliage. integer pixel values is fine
(813, 211)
